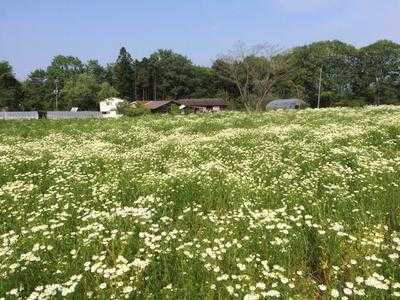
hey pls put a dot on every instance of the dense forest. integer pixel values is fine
(349, 76)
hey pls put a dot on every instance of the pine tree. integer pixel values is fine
(125, 75)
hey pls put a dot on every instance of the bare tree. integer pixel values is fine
(254, 71)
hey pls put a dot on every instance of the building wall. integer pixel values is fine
(109, 105)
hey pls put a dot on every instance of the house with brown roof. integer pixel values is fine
(159, 106)
(185, 105)
(204, 104)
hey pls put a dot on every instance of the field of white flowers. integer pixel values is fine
(250, 206)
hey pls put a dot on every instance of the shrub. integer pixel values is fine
(391, 101)
(175, 110)
(131, 111)
(351, 103)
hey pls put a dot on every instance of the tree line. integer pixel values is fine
(247, 76)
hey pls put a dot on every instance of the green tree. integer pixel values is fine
(81, 91)
(37, 93)
(124, 72)
(222, 83)
(106, 91)
(379, 72)
(64, 68)
(109, 73)
(171, 75)
(95, 69)
(10, 88)
(338, 62)
(206, 83)
(143, 80)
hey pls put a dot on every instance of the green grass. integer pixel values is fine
(216, 206)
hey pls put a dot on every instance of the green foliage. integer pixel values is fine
(218, 67)
(134, 111)
(370, 74)
(379, 68)
(81, 91)
(168, 75)
(172, 74)
(339, 63)
(124, 71)
(204, 83)
(175, 109)
(351, 103)
(7, 98)
(63, 68)
(10, 88)
(93, 68)
(106, 91)
(145, 80)
(5, 69)
(37, 92)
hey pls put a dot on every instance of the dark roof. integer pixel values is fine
(155, 104)
(204, 102)
(285, 103)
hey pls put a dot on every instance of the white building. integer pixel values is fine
(109, 107)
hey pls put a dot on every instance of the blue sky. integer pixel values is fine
(34, 31)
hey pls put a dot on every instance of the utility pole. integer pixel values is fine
(319, 88)
(377, 100)
(56, 92)
(155, 87)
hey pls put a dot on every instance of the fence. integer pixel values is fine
(59, 115)
(19, 115)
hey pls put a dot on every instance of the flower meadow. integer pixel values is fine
(284, 204)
